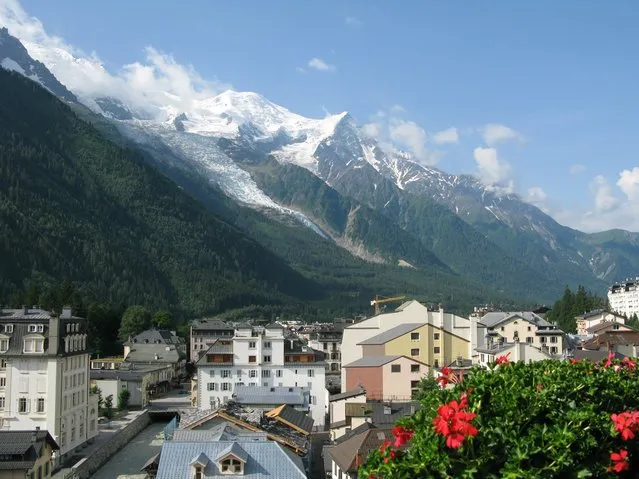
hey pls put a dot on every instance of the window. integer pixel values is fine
(311, 373)
(32, 328)
(266, 373)
(226, 373)
(230, 466)
(252, 359)
(267, 359)
(3, 382)
(253, 373)
(502, 328)
(529, 328)
(211, 387)
(542, 339)
(4, 345)
(239, 373)
(436, 363)
(414, 352)
(198, 473)
(22, 405)
(40, 405)
(436, 350)
(267, 345)
(1, 402)
(278, 373)
(414, 368)
(396, 368)
(8, 328)
(553, 339)
(414, 336)
(212, 373)
(529, 340)
(553, 350)
(313, 400)
(41, 328)
(436, 336)
(252, 384)
(251, 344)
(3, 364)
(226, 386)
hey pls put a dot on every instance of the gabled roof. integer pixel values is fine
(594, 356)
(24, 447)
(597, 328)
(211, 324)
(225, 431)
(264, 460)
(492, 319)
(359, 391)
(292, 418)
(392, 333)
(153, 353)
(353, 452)
(596, 312)
(612, 338)
(233, 449)
(200, 459)
(371, 361)
(155, 336)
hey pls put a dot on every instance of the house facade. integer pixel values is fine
(204, 332)
(385, 377)
(155, 348)
(591, 319)
(337, 410)
(329, 341)
(44, 376)
(623, 297)
(259, 357)
(526, 327)
(26, 454)
(525, 352)
(456, 335)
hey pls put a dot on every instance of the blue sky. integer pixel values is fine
(558, 77)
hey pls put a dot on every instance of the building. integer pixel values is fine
(500, 328)
(525, 352)
(349, 455)
(26, 454)
(450, 330)
(607, 326)
(259, 357)
(385, 377)
(204, 332)
(329, 341)
(44, 377)
(591, 319)
(157, 348)
(255, 457)
(143, 383)
(337, 410)
(624, 297)
(261, 397)
(623, 342)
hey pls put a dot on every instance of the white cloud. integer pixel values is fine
(603, 196)
(450, 135)
(491, 169)
(300, 70)
(577, 169)
(629, 183)
(494, 133)
(157, 81)
(397, 108)
(410, 135)
(321, 65)
(536, 195)
(353, 21)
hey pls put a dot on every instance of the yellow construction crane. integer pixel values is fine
(381, 300)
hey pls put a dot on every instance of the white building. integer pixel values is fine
(514, 352)
(411, 312)
(624, 297)
(587, 321)
(44, 376)
(265, 358)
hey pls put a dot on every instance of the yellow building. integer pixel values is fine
(26, 454)
(427, 343)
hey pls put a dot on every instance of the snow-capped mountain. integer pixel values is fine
(237, 139)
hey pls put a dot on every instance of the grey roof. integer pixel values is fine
(594, 312)
(121, 374)
(382, 413)
(392, 333)
(365, 426)
(155, 336)
(235, 449)
(371, 361)
(225, 431)
(270, 395)
(353, 452)
(594, 356)
(289, 415)
(498, 348)
(146, 353)
(605, 325)
(22, 448)
(207, 324)
(347, 394)
(492, 319)
(264, 460)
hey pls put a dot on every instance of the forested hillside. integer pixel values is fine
(76, 206)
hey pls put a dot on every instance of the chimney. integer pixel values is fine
(460, 361)
(54, 335)
(25, 310)
(66, 312)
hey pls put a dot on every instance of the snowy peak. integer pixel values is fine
(14, 57)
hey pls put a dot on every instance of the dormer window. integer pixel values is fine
(8, 328)
(33, 328)
(198, 472)
(4, 345)
(41, 328)
(231, 466)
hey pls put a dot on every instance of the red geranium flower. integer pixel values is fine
(573, 361)
(503, 359)
(608, 362)
(629, 363)
(626, 423)
(620, 461)
(402, 435)
(453, 422)
(385, 445)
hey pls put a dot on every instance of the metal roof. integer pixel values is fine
(292, 417)
(353, 452)
(264, 460)
(155, 336)
(392, 333)
(23, 447)
(494, 318)
(372, 361)
(270, 395)
(207, 324)
(359, 391)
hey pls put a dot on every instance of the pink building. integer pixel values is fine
(385, 377)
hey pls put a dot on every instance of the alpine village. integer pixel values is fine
(212, 286)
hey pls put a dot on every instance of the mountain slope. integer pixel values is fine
(76, 206)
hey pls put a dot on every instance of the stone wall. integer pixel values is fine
(85, 468)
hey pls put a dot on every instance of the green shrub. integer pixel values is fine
(550, 419)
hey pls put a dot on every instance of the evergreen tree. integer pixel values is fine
(134, 320)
